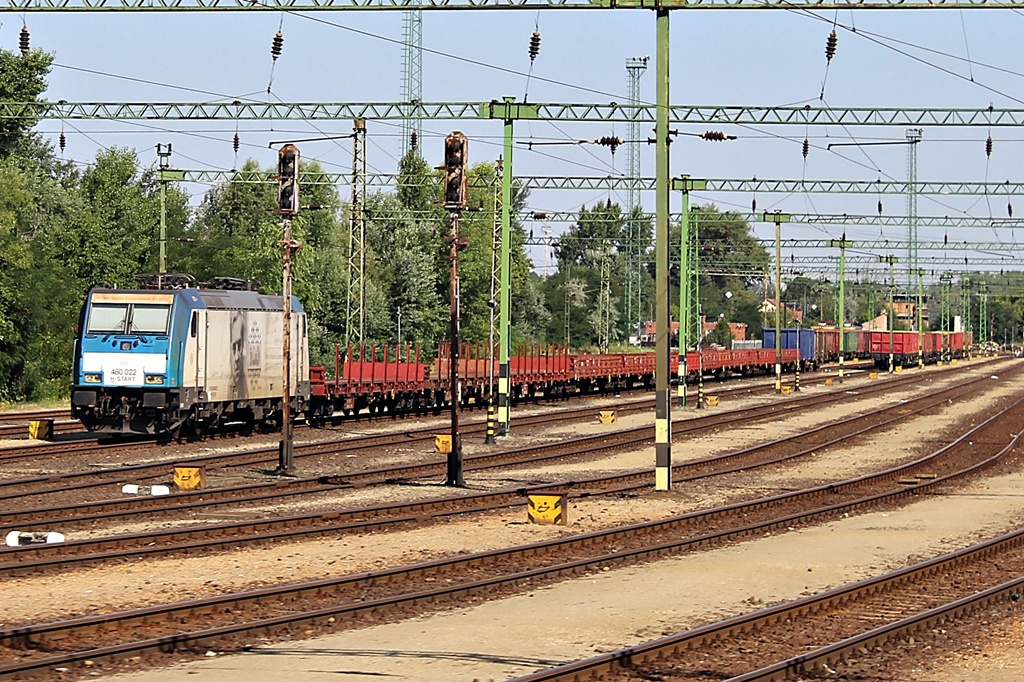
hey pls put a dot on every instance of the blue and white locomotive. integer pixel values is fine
(172, 361)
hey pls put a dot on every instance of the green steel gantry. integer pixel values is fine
(78, 6)
(719, 115)
(536, 182)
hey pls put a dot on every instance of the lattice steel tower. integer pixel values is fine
(355, 312)
(412, 74)
(913, 137)
(635, 67)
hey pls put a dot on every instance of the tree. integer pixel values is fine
(22, 79)
(730, 260)
(597, 231)
(236, 234)
(721, 334)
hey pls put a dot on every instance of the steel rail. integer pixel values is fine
(148, 470)
(49, 635)
(665, 647)
(91, 511)
(59, 483)
(222, 536)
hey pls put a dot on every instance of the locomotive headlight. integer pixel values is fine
(155, 378)
(93, 378)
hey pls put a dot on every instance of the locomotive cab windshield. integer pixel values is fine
(125, 318)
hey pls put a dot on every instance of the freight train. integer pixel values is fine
(159, 361)
(820, 345)
(907, 348)
(176, 359)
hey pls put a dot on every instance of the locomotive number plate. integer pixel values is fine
(124, 376)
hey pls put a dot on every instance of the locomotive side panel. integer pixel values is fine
(243, 355)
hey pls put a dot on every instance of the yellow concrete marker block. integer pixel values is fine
(829, 382)
(873, 375)
(953, 361)
(443, 444)
(711, 401)
(899, 368)
(939, 363)
(607, 416)
(549, 509)
(40, 429)
(189, 478)
(787, 390)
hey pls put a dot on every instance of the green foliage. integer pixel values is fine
(22, 79)
(720, 335)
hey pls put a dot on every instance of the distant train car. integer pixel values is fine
(813, 350)
(160, 361)
(826, 344)
(905, 345)
(856, 344)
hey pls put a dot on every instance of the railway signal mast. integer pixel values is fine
(287, 207)
(456, 148)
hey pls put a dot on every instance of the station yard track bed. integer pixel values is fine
(14, 425)
(267, 456)
(264, 529)
(232, 621)
(77, 483)
(841, 633)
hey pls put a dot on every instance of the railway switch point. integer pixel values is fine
(40, 429)
(546, 509)
(443, 443)
(607, 416)
(189, 478)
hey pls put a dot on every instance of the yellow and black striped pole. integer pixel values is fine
(662, 405)
(490, 425)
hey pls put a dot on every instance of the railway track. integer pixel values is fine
(91, 514)
(14, 425)
(229, 622)
(88, 445)
(218, 537)
(266, 457)
(840, 633)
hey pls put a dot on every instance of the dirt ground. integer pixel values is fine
(578, 618)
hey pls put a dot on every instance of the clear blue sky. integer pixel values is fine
(718, 58)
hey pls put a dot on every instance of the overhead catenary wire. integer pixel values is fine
(881, 41)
